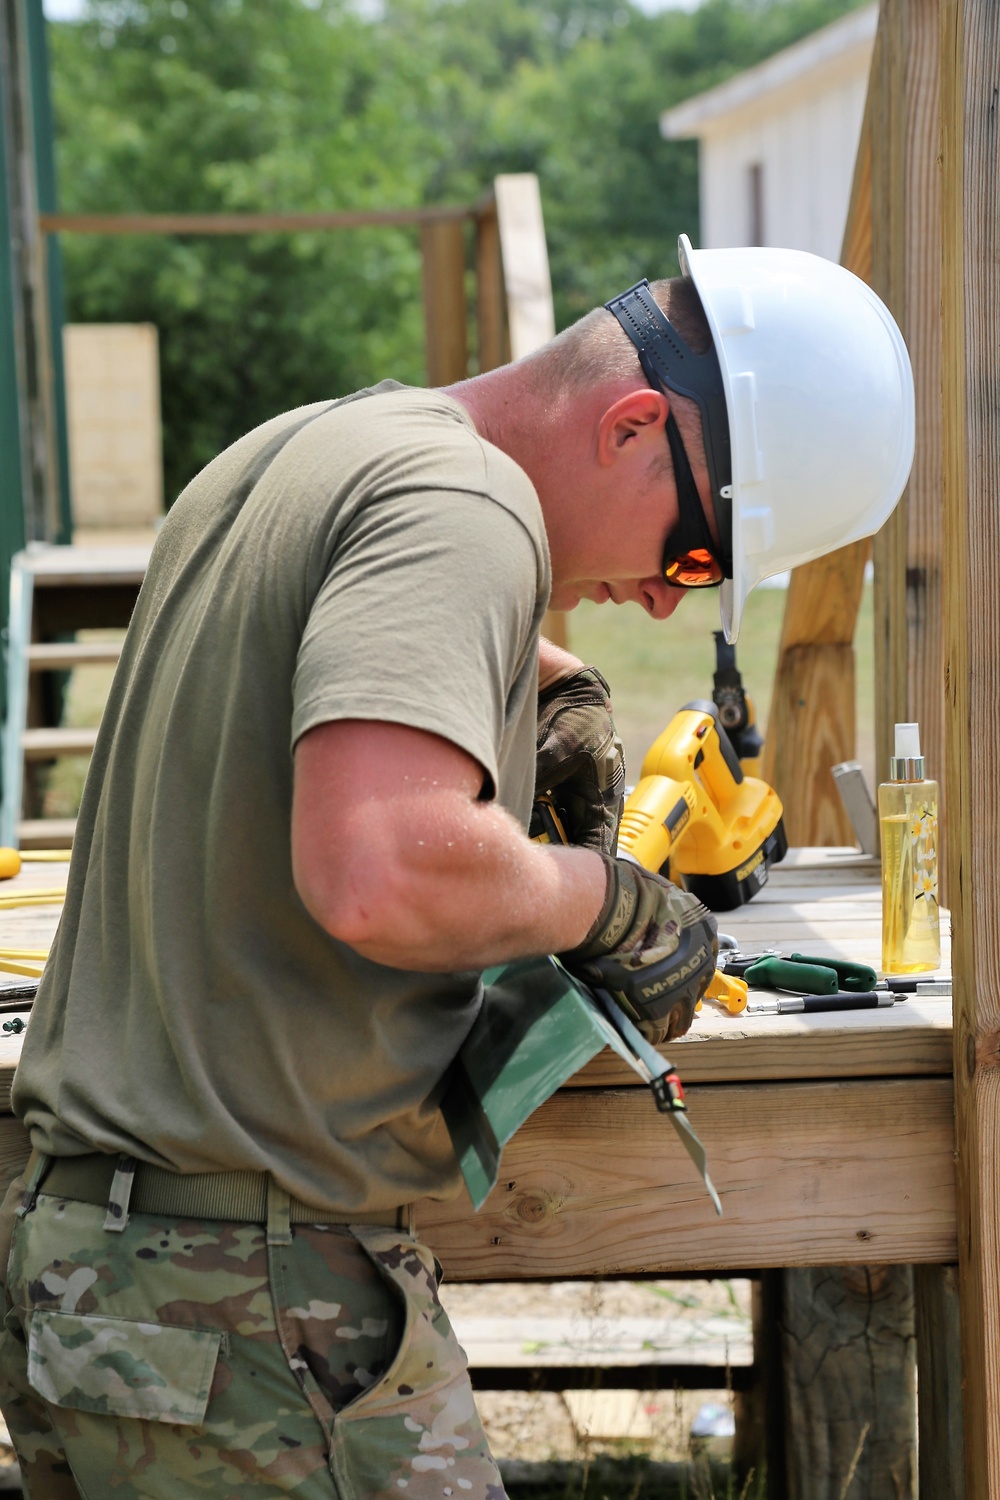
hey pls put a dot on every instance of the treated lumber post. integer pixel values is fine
(531, 318)
(970, 83)
(813, 704)
(491, 321)
(530, 313)
(906, 248)
(811, 723)
(939, 1383)
(442, 247)
(847, 1336)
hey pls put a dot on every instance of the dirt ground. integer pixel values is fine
(542, 1426)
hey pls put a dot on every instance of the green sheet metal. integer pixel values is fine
(537, 1027)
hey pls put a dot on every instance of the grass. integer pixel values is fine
(655, 667)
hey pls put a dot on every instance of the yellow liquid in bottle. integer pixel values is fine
(911, 935)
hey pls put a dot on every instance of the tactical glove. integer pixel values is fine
(653, 947)
(580, 760)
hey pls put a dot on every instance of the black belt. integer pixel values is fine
(240, 1197)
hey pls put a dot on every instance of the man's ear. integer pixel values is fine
(640, 414)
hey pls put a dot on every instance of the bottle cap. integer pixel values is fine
(907, 741)
(907, 764)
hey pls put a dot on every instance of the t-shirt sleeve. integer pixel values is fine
(427, 610)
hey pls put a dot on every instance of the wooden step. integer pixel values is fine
(54, 567)
(46, 833)
(66, 655)
(601, 1340)
(49, 744)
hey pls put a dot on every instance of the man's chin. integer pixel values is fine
(567, 596)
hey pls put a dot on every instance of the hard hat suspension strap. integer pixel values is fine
(669, 364)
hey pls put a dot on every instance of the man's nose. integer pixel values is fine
(659, 598)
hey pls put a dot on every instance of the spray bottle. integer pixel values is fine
(908, 817)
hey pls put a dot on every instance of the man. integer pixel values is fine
(303, 839)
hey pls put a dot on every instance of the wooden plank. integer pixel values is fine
(44, 744)
(442, 247)
(597, 1339)
(970, 71)
(491, 321)
(907, 1040)
(46, 833)
(246, 223)
(812, 710)
(530, 313)
(889, 223)
(924, 578)
(823, 601)
(816, 651)
(54, 567)
(650, 1375)
(849, 1382)
(531, 319)
(808, 1173)
(115, 424)
(939, 1383)
(69, 654)
(907, 274)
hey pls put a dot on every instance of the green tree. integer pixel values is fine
(315, 105)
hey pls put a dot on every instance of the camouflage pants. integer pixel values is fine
(196, 1358)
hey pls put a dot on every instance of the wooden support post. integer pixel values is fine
(491, 320)
(811, 723)
(939, 1383)
(813, 705)
(849, 1368)
(906, 251)
(442, 246)
(531, 318)
(970, 84)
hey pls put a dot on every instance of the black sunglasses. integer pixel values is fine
(689, 560)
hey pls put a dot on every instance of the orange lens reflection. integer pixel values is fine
(697, 569)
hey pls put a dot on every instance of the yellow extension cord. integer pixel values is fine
(28, 962)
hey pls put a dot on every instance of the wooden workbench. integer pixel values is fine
(830, 1139)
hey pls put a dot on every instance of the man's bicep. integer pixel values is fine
(363, 790)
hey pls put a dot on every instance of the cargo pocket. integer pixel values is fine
(116, 1368)
(416, 1430)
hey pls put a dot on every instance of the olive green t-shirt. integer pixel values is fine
(367, 559)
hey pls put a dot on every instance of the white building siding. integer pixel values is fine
(797, 119)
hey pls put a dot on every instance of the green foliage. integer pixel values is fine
(320, 105)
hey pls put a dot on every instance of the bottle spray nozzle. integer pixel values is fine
(907, 764)
(907, 741)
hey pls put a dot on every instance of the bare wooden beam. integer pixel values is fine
(491, 321)
(596, 1183)
(909, 650)
(530, 313)
(939, 1382)
(442, 247)
(811, 723)
(531, 318)
(245, 223)
(970, 304)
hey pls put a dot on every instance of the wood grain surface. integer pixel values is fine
(970, 83)
(811, 720)
(808, 1173)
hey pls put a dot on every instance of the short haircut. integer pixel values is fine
(597, 349)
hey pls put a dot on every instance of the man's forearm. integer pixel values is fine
(554, 662)
(470, 891)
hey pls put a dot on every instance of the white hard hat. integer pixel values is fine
(819, 396)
